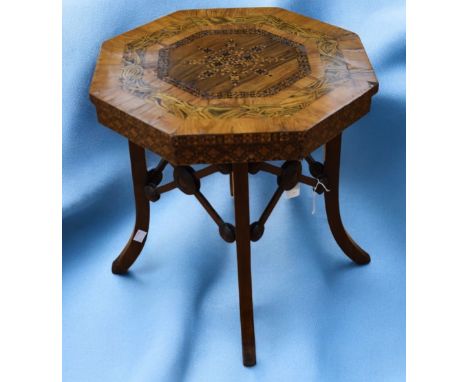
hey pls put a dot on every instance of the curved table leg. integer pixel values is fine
(241, 204)
(332, 206)
(138, 238)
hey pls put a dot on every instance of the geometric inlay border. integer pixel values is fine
(132, 71)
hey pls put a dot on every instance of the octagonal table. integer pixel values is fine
(234, 89)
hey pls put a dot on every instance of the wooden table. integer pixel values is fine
(234, 88)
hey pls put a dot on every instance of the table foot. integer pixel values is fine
(138, 238)
(241, 203)
(332, 206)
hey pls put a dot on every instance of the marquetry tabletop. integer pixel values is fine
(232, 85)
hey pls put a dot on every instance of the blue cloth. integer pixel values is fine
(175, 316)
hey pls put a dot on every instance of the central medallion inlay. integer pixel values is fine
(234, 63)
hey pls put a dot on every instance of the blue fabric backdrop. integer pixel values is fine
(175, 316)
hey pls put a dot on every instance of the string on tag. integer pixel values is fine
(314, 194)
(319, 183)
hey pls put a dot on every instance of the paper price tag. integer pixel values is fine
(293, 192)
(139, 236)
(314, 196)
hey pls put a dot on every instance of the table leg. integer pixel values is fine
(241, 204)
(332, 206)
(138, 238)
(231, 184)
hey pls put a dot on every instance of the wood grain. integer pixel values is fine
(232, 63)
(288, 85)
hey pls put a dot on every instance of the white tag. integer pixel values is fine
(139, 236)
(293, 192)
(314, 195)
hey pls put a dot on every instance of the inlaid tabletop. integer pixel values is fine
(232, 85)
